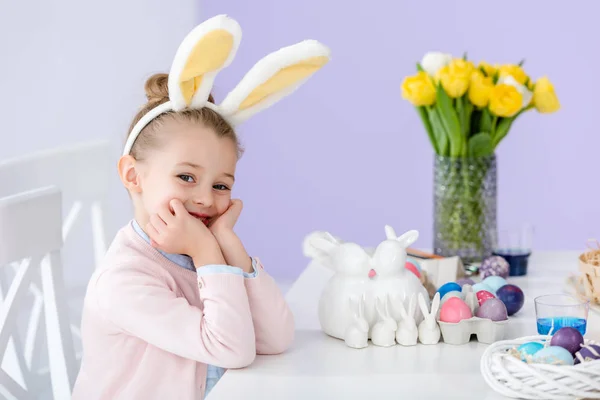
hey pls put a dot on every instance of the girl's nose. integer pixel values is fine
(204, 197)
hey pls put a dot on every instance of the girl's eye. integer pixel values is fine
(186, 178)
(220, 187)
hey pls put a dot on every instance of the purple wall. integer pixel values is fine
(346, 154)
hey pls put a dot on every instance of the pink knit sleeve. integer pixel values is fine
(142, 305)
(271, 315)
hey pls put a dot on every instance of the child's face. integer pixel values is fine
(191, 164)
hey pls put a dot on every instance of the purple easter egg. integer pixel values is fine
(465, 281)
(588, 352)
(568, 338)
(512, 297)
(492, 309)
(494, 266)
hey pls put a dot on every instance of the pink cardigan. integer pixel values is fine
(150, 327)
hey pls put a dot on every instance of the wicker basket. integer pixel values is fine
(514, 378)
(589, 266)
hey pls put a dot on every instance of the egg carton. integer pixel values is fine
(486, 330)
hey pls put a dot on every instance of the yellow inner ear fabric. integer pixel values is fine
(209, 54)
(283, 79)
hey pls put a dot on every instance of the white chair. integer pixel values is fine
(31, 238)
(82, 172)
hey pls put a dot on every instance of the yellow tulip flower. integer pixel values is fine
(455, 77)
(419, 89)
(480, 89)
(513, 70)
(505, 100)
(544, 97)
(487, 68)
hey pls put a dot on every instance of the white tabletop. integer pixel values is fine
(320, 367)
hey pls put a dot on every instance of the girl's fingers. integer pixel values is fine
(152, 234)
(158, 224)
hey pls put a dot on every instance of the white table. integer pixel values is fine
(320, 367)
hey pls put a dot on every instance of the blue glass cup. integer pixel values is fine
(555, 311)
(515, 247)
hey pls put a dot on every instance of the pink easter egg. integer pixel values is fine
(455, 310)
(483, 296)
(412, 268)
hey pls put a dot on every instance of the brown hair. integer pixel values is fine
(157, 92)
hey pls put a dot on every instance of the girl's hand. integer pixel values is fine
(231, 246)
(179, 232)
(227, 220)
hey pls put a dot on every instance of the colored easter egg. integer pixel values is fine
(526, 350)
(588, 352)
(415, 262)
(512, 297)
(455, 310)
(482, 286)
(453, 293)
(463, 281)
(484, 295)
(494, 266)
(448, 287)
(413, 268)
(568, 338)
(493, 309)
(495, 282)
(554, 355)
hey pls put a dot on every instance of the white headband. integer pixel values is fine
(211, 47)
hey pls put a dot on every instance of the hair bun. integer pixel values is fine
(157, 88)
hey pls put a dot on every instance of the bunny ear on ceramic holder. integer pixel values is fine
(209, 48)
(406, 239)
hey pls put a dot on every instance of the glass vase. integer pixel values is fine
(465, 207)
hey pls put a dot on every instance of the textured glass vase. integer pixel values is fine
(465, 207)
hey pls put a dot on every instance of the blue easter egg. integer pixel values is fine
(448, 287)
(512, 297)
(554, 355)
(482, 286)
(529, 349)
(495, 282)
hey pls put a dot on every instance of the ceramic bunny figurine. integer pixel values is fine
(375, 273)
(389, 259)
(384, 330)
(429, 330)
(351, 265)
(407, 333)
(357, 332)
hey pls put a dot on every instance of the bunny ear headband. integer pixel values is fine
(209, 48)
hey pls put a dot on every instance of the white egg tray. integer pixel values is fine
(486, 330)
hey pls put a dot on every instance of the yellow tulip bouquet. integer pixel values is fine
(466, 111)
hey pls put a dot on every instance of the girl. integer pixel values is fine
(178, 299)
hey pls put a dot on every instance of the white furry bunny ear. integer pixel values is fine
(204, 52)
(272, 78)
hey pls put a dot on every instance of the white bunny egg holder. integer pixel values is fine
(459, 333)
(212, 46)
(371, 294)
